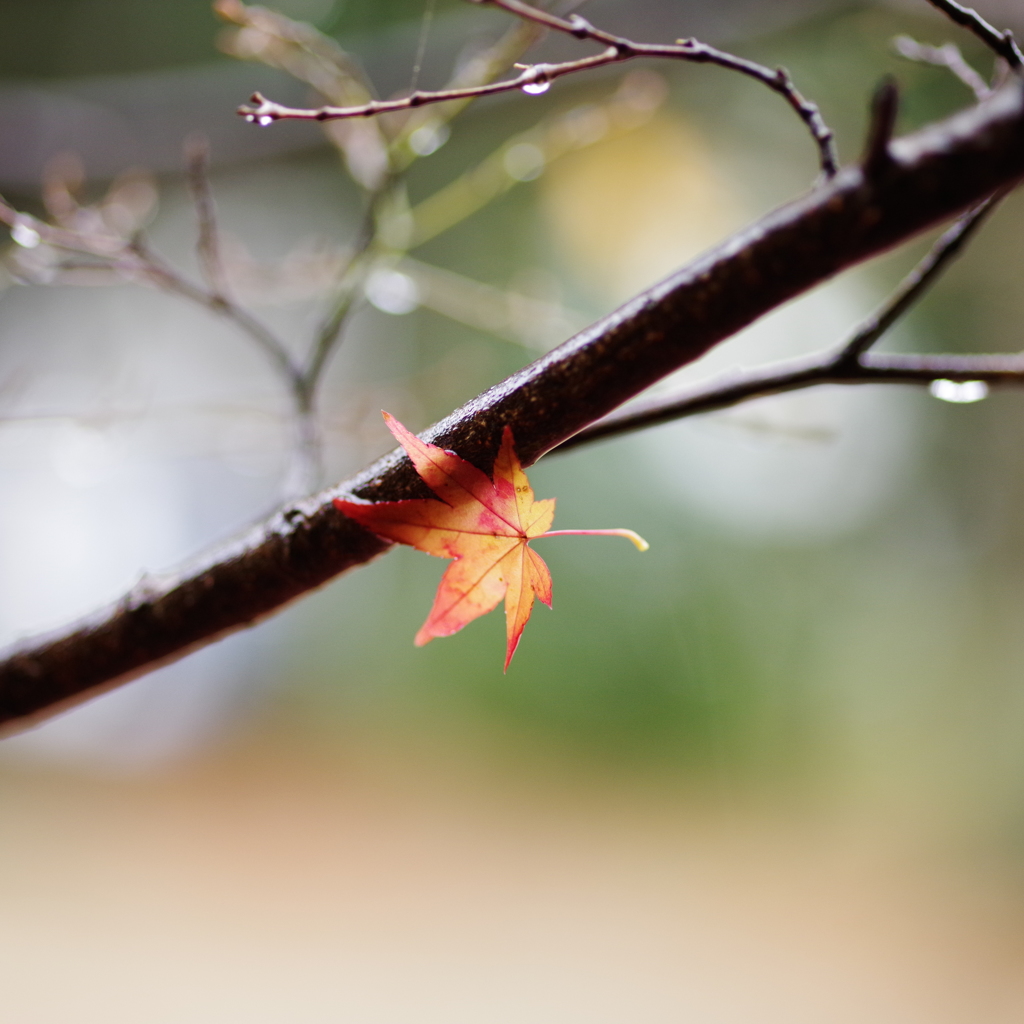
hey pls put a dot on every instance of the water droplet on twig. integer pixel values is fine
(960, 392)
(536, 88)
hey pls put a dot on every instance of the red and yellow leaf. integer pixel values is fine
(484, 524)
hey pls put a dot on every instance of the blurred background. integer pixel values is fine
(772, 771)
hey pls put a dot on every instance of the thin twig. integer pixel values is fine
(551, 138)
(946, 56)
(798, 374)
(350, 280)
(538, 76)
(481, 69)
(1002, 43)
(421, 43)
(149, 266)
(919, 280)
(849, 363)
(197, 156)
(134, 258)
(778, 80)
(330, 332)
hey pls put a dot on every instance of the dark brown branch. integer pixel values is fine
(846, 364)
(798, 374)
(777, 80)
(884, 107)
(933, 175)
(918, 281)
(1001, 43)
(538, 76)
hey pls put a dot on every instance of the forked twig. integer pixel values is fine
(1001, 43)
(947, 247)
(537, 77)
(946, 56)
(850, 363)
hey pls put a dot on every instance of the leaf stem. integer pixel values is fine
(630, 535)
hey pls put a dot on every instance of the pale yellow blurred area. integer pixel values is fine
(272, 885)
(629, 210)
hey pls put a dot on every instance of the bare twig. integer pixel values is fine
(350, 281)
(946, 56)
(849, 363)
(798, 374)
(133, 258)
(1001, 43)
(481, 69)
(197, 156)
(421, 43)
(486, 65)
(934, 174)
(633, 103)
(139, 260)
(918, 281)
(537, 77)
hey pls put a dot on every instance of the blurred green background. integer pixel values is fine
(771, 770)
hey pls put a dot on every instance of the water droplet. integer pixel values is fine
(264, 119)
(536, 88)
(24, 234)
(960, 392)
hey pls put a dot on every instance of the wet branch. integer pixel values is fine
(1001, 43)
(536, 78)
(849, 363)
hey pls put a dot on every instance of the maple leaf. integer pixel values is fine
(484, 524)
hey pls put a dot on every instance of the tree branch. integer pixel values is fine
(918, 281)
(197, 159)
(133, 258)
(946, 56)
(846, 364)
(930, 176)
(798, 374)
(1001, 43)
(536, 78)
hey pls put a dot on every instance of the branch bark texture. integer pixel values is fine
(925, 178)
